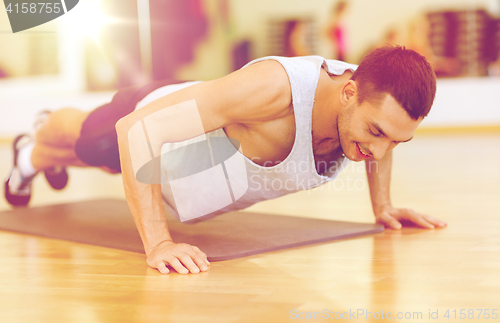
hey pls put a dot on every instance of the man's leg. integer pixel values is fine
(70, 137)
(55, 138)
(51, 150)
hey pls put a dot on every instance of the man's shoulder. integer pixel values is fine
(269, 71)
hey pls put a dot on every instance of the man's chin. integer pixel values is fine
(351, 156)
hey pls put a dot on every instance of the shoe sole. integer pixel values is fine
(15, 200)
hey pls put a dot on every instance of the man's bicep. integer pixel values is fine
(176, 123)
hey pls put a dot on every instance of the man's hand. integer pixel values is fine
(182, 257)
(391, 217)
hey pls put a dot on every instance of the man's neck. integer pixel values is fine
(326, 109)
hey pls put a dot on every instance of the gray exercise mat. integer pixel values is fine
(109, 223)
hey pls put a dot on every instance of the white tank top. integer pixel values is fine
(242, 183)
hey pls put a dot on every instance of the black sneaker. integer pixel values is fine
(56, 177)
(17, 189)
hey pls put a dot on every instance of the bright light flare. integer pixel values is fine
(87, 19)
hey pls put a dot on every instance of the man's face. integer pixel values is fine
(370, 130)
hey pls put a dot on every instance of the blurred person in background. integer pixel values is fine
(336, 31)
(391, 38)
(295, 38)
(419, 41)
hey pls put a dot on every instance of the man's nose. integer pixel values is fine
(379, 148)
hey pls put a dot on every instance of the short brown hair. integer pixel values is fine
(400, 72)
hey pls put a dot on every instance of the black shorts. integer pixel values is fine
(98, 142)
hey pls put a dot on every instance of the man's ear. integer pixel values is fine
(349, 92)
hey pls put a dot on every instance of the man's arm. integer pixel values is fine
(379, 178)
(146, 206)
(257, 93)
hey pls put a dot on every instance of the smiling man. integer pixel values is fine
(295, 122)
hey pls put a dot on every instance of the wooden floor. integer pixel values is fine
(455, 178)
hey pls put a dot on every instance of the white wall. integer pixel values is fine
(465, 102)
